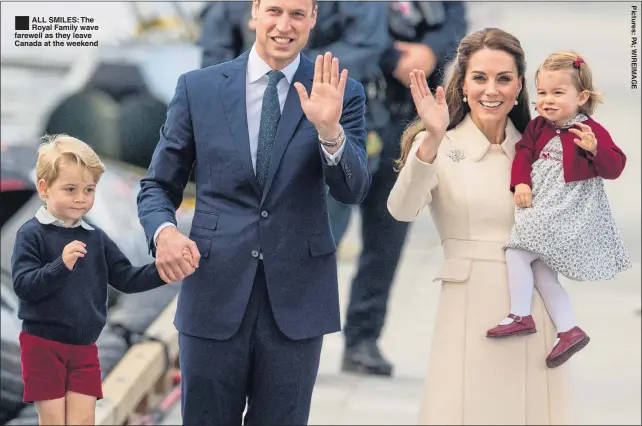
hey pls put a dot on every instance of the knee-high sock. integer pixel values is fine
(520, 281)
(556, 299)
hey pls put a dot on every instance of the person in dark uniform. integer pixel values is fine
(225, 33)
(424, 36)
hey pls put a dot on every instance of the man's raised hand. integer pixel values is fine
(324, 105)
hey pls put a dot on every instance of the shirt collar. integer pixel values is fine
(257, 67)
(47, 218)
(477, 145)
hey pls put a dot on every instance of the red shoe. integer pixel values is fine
(519, 327)
(570, 343)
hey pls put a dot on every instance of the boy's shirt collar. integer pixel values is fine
(47, 218)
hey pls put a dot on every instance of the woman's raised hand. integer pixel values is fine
(432, 112)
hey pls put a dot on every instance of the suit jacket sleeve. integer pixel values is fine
(349, 180)
(609, 160)
(362, 40)
(161, 190)
(524, 157)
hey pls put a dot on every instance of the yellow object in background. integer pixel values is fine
(373, 144)
(189, 203)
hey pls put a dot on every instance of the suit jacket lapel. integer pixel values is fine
(232, 90)
(290, 118)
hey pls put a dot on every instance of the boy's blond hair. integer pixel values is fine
(581, 76)
(55, 148)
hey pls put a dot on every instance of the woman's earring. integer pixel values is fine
(516, 102)
(465, 99)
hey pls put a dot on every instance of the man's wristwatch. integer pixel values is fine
(334, 143)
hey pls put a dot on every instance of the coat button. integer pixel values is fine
(264, 213)
(557, 131)
(255, 253)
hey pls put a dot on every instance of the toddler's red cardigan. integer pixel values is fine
(578, 164)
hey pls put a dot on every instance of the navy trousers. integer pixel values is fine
(259, 366)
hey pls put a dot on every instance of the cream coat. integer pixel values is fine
(473, 379)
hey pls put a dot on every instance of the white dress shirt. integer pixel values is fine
(256, 82)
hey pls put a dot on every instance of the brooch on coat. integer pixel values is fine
(455, 155)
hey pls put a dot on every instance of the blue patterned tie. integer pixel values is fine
(270, 115)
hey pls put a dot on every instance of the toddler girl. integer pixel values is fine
(563, 221)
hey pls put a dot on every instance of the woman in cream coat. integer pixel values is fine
(456, 159)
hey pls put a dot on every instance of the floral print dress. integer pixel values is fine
(570, 226)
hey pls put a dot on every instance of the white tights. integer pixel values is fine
(526, 271)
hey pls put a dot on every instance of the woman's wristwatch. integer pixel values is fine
(334, 143)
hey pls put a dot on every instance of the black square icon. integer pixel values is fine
(22, 23)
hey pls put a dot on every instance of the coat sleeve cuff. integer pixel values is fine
(420, 169)
(412, 190)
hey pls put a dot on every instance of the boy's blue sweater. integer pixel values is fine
(70, 306)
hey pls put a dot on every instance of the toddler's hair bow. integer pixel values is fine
(577, 62)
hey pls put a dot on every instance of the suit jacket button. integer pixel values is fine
(255, 253)
(264, 214)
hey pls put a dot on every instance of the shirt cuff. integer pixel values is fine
(160, 228)
(333, 159)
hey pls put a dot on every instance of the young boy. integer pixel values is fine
(61, 266)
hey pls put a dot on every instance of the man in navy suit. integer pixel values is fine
(263, 134)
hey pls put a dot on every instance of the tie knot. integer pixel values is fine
(274, 77)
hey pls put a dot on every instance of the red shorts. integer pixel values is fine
(51, 369)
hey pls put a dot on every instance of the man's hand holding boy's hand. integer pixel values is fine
(72, 252)
(187, 255)
(171, 264)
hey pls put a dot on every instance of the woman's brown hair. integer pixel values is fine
(490, 38)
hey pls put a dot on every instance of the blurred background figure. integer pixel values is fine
(226, 32)
(424, 36)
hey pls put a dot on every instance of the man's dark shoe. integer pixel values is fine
(365, 358)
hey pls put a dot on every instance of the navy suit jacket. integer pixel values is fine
(206, 131)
